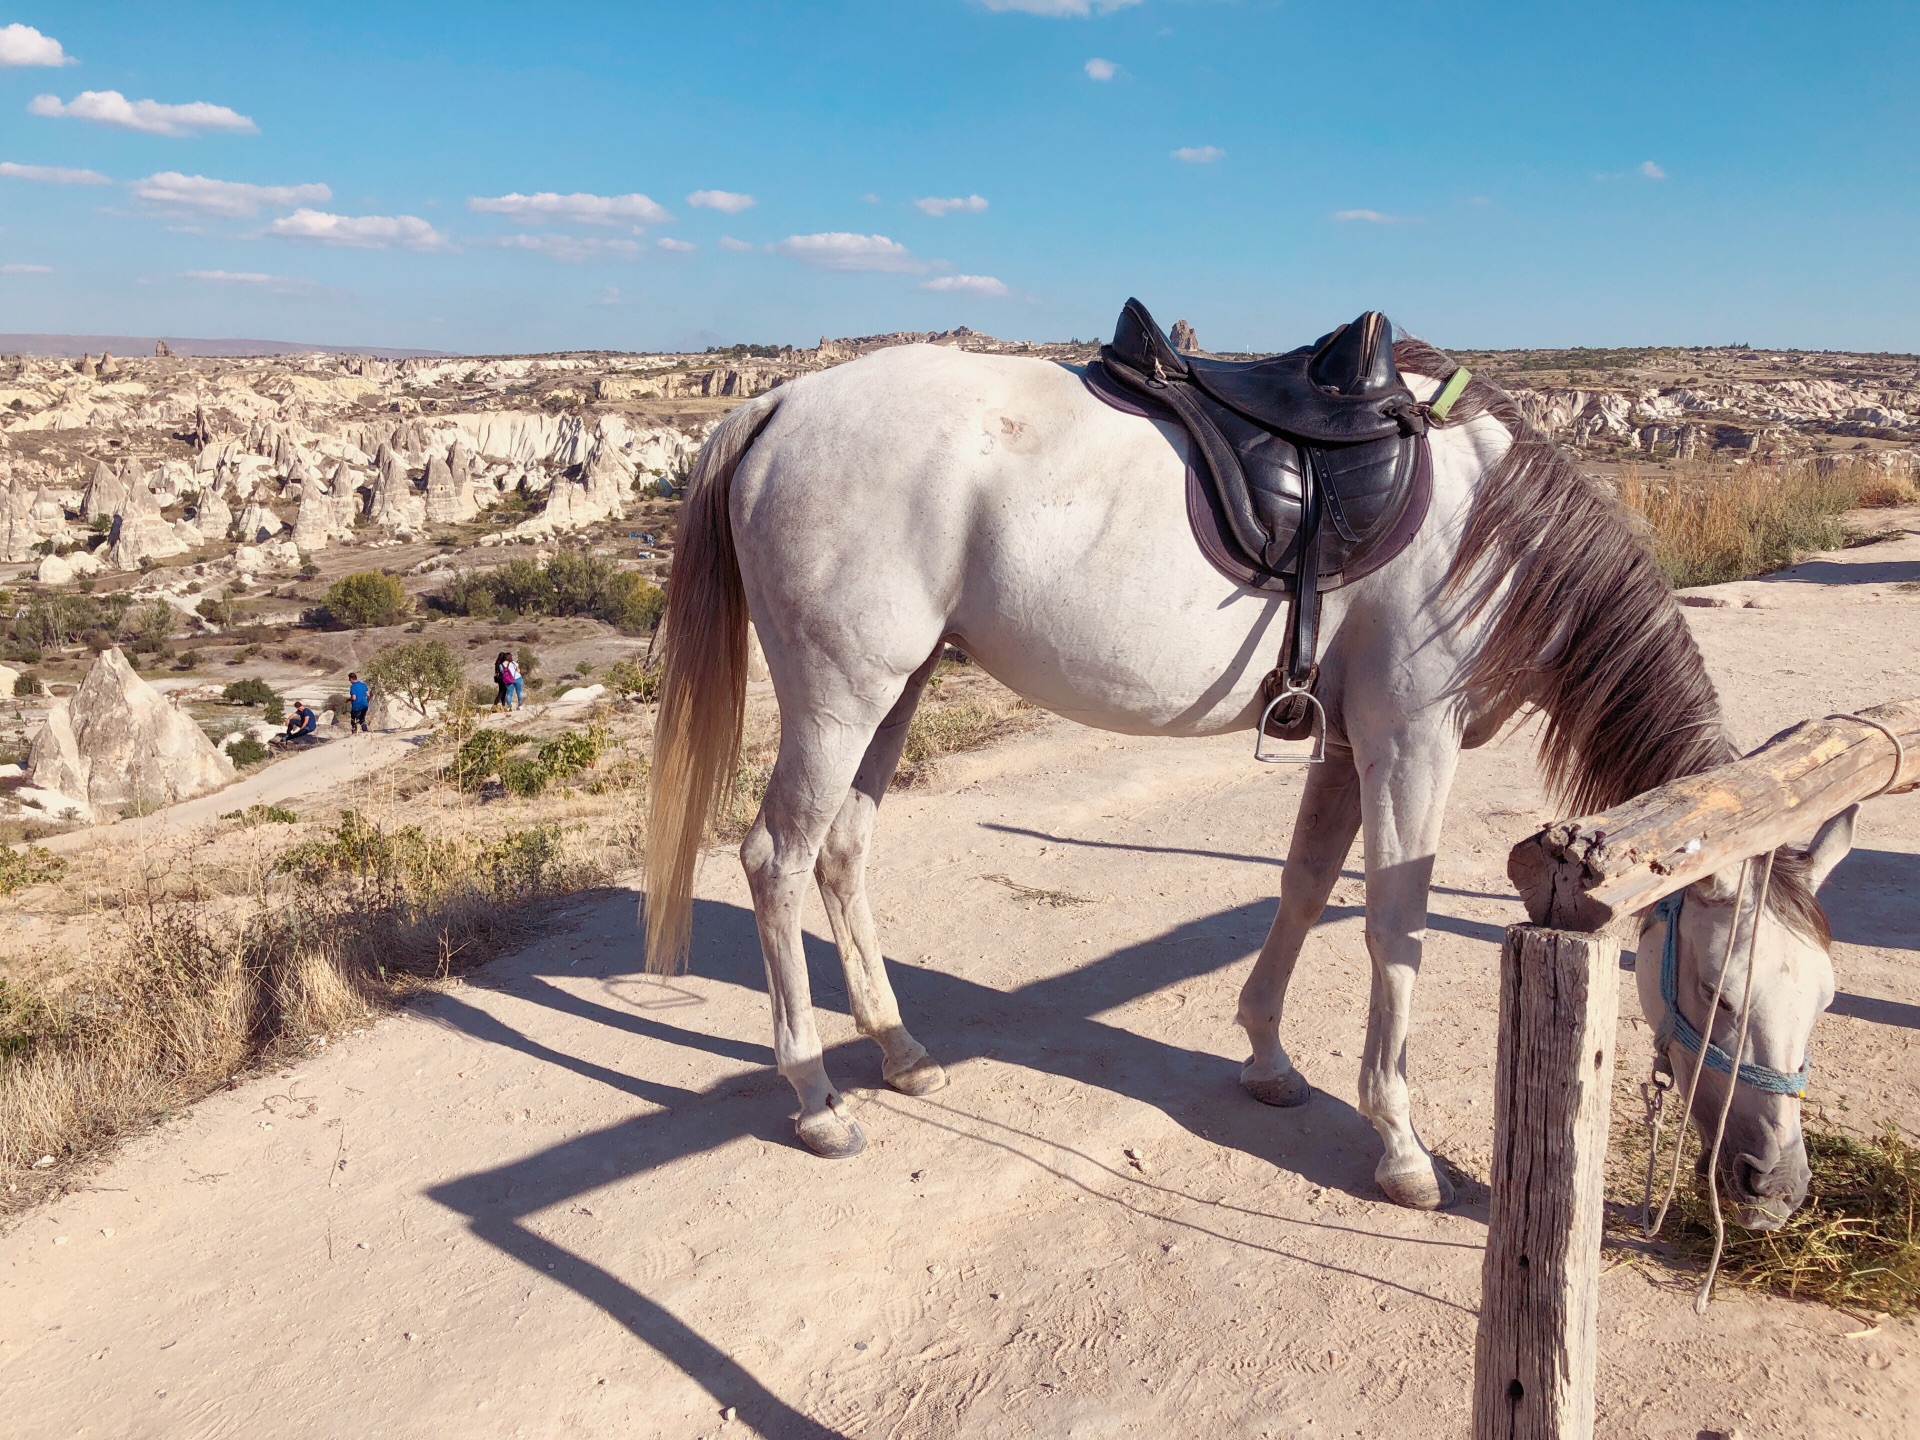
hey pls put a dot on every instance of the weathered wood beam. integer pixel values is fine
(1585, 874)
(1533, 1363)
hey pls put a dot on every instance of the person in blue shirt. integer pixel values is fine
(302, 723)
(358, 699)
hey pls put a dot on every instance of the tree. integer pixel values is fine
(366, 599)
(417, 673)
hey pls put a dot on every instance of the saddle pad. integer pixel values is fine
(1213, 534)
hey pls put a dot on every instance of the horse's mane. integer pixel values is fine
(1628, 701)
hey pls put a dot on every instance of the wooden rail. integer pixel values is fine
(1559, 995)
(1584, 874)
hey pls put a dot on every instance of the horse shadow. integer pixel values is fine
(1846, 572)
(1046, 1026)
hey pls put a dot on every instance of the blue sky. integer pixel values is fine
(1488, 175)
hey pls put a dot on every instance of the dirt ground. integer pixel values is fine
(564, 1199)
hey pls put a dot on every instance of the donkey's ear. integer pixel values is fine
(1830, 845)
(1719, 888)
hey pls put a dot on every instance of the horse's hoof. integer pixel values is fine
(830, 1135)
(1419, 1186)
(922, 1077)
(1285, 1090)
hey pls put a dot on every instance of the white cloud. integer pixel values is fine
(232, 198)
(52, 174)
(1370, 217)
(358, 232)
(679, 247)
(578, 208)
(727, 242)
(932, 205)
(110, 107)
(1652, 171)
(26, 269)
(1098, 69)
(255, 280)
(966, 284)
(730, 202)
(871, 198)
(1199, 154)
(840, 250)
(572, 249)
(24, 45)
(1078, 9)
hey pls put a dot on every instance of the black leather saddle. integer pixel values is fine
(1311, 469)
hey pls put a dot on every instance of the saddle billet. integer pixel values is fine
(1305, 472)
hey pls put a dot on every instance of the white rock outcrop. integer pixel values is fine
(449, 500)
(141, 532)
(119, 742)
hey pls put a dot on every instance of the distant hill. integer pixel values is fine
(73, 346)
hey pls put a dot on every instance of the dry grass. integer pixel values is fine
(1713, 523)
(256, 943)
(1854, 1244)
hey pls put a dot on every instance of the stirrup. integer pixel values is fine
(1318, 732)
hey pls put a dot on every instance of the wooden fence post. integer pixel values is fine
(1539, 1285)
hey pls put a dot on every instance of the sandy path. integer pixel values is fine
(563, 1200)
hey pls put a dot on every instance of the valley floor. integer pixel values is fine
(563, 1198)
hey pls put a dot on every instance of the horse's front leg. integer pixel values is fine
(1323, 832)
(1405, 777)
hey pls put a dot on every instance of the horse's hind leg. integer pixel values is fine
(1323, 833)
(842, 873)
(820, 752)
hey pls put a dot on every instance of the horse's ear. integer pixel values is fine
(1719, 888)
(1830, 846)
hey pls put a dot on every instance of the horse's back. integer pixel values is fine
(923, 492)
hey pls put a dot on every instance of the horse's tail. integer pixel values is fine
(703, 686)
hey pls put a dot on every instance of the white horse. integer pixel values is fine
(868, 515)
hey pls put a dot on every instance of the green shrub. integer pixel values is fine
(28, 683)
(523, 863)
(368, 598)
(630, 677)
(560, 758)
(155, 627)
(246, 751)
(262, 815)
(250, 691)
(418, 672)
(34, 865)
(571, 583)
(479, 757)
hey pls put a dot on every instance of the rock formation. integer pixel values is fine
(1182, 338)
(396, 505)
(119, 742)
(213, 517)
(314, 525)
(449, 500)
(18, 534)
(258, 523)
(141, 532)
(106, 493)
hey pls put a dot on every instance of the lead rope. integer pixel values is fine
(1705, 1292)
(1652, 1226)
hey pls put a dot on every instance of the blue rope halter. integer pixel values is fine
(1675, 1026)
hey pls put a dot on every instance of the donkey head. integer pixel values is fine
(1763, 1157)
